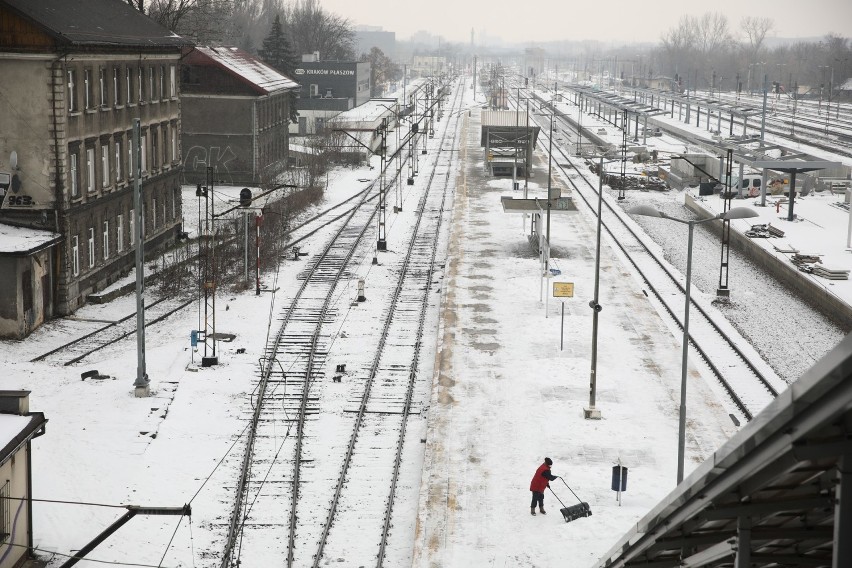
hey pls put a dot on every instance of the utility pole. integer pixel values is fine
(382, 245)
(142, 385)
(763, 114)
(209, 359)
(474, 77)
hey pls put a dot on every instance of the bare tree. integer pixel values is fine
(756, 29)
(711, 32)
(382, 70)
(169, 13)
(311, 28)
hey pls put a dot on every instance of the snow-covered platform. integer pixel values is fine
(505, 395)
(809, 254)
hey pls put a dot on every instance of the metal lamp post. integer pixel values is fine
(592, 412)
(648, 211)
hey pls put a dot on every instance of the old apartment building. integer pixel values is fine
(73, 86)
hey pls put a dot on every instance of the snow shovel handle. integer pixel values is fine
(571, 490)
(557, 497)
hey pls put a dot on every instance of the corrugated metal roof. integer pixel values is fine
(249, 68)
(95, 22)
(504, 118)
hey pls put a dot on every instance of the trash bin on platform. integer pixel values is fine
(619, 480)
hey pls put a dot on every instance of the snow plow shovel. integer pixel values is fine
(573, 512)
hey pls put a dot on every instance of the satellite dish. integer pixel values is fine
(13, 160)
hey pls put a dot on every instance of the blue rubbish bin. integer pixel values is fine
(619, 474)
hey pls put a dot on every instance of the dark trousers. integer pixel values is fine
(538, 497)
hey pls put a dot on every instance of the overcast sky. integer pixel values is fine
(613, 20)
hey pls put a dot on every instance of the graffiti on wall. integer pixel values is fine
(14, 194)
(220, 159)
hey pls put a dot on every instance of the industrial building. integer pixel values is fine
(328, 88)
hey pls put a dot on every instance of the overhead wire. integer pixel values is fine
(87, 559)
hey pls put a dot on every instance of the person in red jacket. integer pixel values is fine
(541, 481)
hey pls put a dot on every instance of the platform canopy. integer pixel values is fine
(793, 167)
(508, 129)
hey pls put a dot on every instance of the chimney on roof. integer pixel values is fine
(15, 402)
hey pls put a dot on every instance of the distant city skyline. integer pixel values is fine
(615, 21)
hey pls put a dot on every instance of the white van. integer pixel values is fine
(750, 186)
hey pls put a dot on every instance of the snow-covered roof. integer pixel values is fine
(97, 22)
(250, 69)
(20, 240)
(367, 115)
(505, 118)
(16, 429)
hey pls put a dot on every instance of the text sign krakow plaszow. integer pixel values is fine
(563, 289)
(325, 71)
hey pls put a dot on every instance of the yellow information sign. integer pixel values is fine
(563, 289)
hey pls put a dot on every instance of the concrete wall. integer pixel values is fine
(17, 317)
(784, 271)
(26, 129)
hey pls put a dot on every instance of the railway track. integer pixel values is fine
(822, 131)
(747, 380)
(80, 348)
(312, 440)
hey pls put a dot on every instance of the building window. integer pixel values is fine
(155, 155)
(151, 83)
(314, 90)
(119, 233)
(118, 160)
(75, 187)
(128, 94)
(131, 224)
(75, 255)
(175, 197)
(143, 145)
(131, 167)
(154, 215)
(90, 169)
(116, 94)
(162, 81)
(72, 90)
(172, 82)
(87, 89)
(102, 83)
(141, 81)
(91, 247)
(106, 240)
(174, 144)
(104, 165)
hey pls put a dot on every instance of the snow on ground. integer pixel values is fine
(505, 396)
(770, 316)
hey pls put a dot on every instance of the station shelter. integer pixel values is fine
(508, 138)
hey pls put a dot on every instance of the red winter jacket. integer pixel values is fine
(541, 478)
